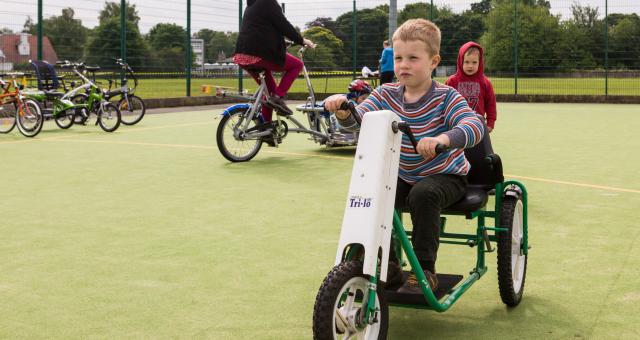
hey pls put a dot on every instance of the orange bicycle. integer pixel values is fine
(16, 109)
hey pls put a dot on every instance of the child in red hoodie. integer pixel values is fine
(472, 84)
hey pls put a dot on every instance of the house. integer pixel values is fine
(20, 48)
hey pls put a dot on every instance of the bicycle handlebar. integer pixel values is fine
(406, 128)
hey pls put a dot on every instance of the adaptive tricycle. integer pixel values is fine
(353, 300)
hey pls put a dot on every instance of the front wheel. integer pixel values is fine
(231, 140)
(132, 109)
(512, 262)
(30, 118)
(7, 117)
(337, 311)
(109, 117)
(64, 119)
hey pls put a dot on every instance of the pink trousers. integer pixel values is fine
(291, 68)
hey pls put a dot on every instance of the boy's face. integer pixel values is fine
(471, 63)
(412, 63)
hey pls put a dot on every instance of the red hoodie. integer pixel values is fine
(476, 88)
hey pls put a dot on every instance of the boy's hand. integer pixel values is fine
(333, 103)
(427, 145)
(309, 43)
(490, 129)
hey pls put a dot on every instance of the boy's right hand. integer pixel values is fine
(333, 103)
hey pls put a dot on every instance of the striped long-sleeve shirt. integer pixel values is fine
(441, 110)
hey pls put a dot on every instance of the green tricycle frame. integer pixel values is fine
(353, 299)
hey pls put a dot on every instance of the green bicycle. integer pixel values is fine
(80, 101)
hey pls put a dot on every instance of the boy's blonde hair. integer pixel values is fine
(422, 30)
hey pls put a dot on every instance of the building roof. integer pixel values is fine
(9, 46)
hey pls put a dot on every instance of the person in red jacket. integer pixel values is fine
(473, 85)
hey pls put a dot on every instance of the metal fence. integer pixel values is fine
(555, 47)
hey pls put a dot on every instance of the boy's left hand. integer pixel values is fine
(427, 145)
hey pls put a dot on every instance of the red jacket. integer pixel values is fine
(476, 89)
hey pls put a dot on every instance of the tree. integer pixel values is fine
(539, 33)
(103, 43)
(625, 42)
(165, 36)
(67, 34)
(328, 52)
(420, 10)
(483, 7)
(372, 30)
(456, 30)
(6, 30)
(112, 10)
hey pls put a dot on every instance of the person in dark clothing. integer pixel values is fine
(261, 44)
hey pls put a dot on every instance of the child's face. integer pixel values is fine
(361, 98)
(471, 63)
(412, 63)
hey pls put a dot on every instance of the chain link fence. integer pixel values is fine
(532, 47)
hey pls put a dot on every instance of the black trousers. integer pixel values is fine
(386, 77)
(425, 200)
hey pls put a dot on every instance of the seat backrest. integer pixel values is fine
(45, 75)
(486, 167)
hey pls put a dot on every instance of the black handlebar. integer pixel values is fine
(349, 106)
(406, 128)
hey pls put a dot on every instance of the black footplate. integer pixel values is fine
(445, 283)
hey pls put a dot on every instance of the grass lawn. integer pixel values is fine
(159, 88)
(149, 233)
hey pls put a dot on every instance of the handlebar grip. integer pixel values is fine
(440, 148)
(349, 106)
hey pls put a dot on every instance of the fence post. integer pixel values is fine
(431, 11)
(393, 18)
(515, 45)
(123, 36)
(606, 47)
(39, 29)
(239, 28)
(354, 40)
(188, 61)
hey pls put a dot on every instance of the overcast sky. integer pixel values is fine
(222, 15)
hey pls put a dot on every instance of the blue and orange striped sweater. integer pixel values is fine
(441, 110)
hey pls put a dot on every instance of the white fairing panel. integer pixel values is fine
(368, 215)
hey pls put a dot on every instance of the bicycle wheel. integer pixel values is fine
(82, 113)
(233, 146)
(132, 110)
(7, 117)
(339, 303)
(109, 117)
(64, 119)
(30, 119)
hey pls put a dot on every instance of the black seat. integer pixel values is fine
(485, 173)
(46, 75)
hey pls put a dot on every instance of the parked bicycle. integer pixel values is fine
(131, 106)
(242, 129)
(65, 107)
(16, 109)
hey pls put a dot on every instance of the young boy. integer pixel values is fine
(473, 85)
(427, 182)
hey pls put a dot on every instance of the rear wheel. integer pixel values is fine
(64, 119)
(512, 262)
(337, 311)
(30, 119)
(7, 117)
(132, 110)
(231, 141)
(109, 117)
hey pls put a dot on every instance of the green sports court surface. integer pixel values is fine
(149, 233)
